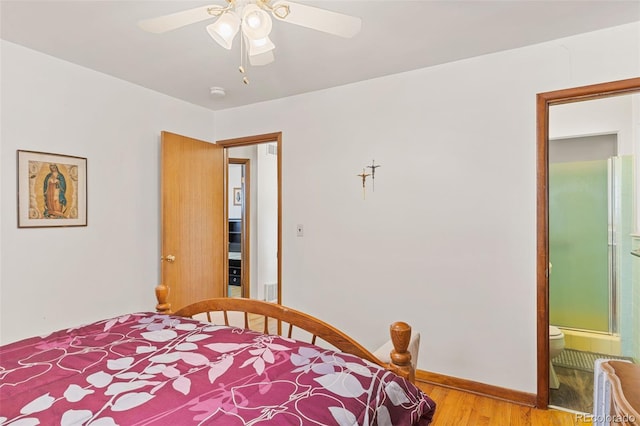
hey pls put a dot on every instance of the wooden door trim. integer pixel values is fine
(276, 138)
(544, 101)
(251, 140)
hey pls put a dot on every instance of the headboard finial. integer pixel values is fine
(162, 295)
(400, 356)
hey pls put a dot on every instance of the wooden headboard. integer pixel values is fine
(290, 319)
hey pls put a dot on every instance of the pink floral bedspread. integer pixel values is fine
(155, 369)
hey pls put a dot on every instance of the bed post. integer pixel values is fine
(400, 357)
(162, 295)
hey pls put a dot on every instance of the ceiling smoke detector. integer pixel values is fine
(217, 92)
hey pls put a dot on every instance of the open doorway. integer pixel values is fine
(545, 336)
(590, 220)
(239, 225)
(253, 216)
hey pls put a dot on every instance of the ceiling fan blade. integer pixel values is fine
(262, 59)
(318, 19)
(170, 22)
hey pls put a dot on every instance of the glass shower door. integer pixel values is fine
(579, 252)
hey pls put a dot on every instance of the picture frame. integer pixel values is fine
(51, 190)
(237, 196)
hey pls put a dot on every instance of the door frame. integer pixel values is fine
(276, 138)
(543, 102)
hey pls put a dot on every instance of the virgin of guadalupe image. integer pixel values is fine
(55, 187)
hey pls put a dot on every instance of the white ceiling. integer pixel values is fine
(396, 36)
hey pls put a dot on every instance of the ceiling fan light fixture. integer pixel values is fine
(262, 59)
(261, 45)
(225, 29)
(253, 20)
(281, 11)
(256, 23)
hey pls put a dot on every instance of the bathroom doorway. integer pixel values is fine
(590, 212)
(606, 329)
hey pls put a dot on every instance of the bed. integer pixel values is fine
(163, 368)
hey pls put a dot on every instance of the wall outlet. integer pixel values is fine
(299, 230)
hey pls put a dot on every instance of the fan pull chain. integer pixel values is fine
(245, 80)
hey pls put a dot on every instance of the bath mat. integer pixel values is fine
(580, 360)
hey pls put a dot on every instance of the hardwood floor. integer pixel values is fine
(458, 408)
(235, 291)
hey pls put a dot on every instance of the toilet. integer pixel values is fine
(556, 345)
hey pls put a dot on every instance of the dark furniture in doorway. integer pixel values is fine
(235, 255)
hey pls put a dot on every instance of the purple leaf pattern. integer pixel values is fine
(157, 369)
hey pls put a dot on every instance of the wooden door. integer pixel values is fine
(192, 190)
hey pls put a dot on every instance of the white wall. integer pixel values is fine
(58, 277)
(267, 212)
(447, 241)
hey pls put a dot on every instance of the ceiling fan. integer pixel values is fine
(252, 18)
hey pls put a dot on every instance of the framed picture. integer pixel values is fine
(52, 190)
(237, 196)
